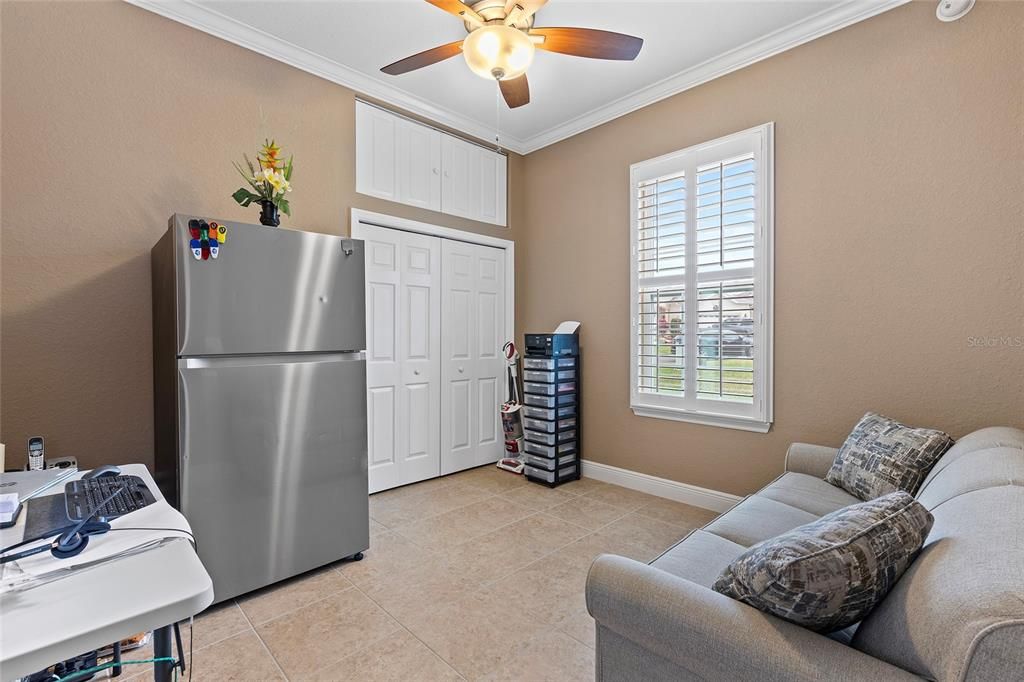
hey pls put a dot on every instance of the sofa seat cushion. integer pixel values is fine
(808, 493)
(832, 572)
(700, 557)
(881, 456)
(758, 518)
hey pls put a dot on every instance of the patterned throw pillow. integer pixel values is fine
(830, 573)
(881, 456)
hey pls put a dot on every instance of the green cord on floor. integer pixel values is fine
(104, 666)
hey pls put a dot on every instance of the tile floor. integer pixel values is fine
(477, 575)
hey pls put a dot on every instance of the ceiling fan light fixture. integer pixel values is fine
(496, 51)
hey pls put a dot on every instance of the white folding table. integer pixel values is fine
(149, 590)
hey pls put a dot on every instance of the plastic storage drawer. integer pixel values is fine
(549, 438)
(549, 450)
(549, 377)
(549, 476)
(548, 363)
(549, 463)
(549, 414)
(549, 401)
(548, 426)
(538, 389)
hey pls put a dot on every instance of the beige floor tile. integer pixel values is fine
(388, 554)
(323, 633)
(491, 556)
(240, 657)
(463, 525)
(284, 597)
(548, 656)
(430, 586)
(215, 624)
(617, 496)
(588, 548)
(549, 588)
(476, 634)
(398, 658)
(490, 479)
(397, 511)
(677, 513)
(544, 533)
(586, 512)
(579, 625)
(376, 528)
(538, 497)
(650, 534)
(583, 486)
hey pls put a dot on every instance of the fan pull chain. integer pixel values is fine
(497, 114)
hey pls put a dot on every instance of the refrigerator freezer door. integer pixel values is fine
(273, 464)
(270, 290)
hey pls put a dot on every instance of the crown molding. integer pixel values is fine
(210, 21)
(804, 31)
(216, 24)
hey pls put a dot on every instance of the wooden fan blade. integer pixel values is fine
(516, 91)
(458, 9)
(519, 10)
(425, 58)
(589, 42)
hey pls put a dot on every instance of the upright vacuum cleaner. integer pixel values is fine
(512, 416)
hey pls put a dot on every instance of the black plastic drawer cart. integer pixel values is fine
(551, 413)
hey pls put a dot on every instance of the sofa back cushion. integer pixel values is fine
(958, 611)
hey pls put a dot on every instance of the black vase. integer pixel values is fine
(269, 215)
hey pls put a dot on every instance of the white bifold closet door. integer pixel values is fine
(403, 356)
(472, 363)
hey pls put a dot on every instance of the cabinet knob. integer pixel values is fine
(446, 174)
(436, 171)
(416, 372)
(461, 370)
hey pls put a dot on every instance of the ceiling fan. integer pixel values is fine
(502, 39)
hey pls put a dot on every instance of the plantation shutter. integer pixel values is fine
(701, 282)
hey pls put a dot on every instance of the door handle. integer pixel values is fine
(461, 370)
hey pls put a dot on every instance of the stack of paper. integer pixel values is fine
(8, 506)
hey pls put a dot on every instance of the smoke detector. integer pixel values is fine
(951, 10)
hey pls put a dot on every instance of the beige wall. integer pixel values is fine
(114, 118)
(898, 222)
(899, 200)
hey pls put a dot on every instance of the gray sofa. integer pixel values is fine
(957, 614)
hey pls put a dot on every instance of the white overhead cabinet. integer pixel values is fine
(404, 161)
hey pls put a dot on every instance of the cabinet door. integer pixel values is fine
(460, 183)
(376, 152)
(491, 168)
(419, 165)
(472, 364)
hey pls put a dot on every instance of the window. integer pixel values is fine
(701, 283)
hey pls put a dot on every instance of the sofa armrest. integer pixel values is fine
(813, 460)
(715, 637)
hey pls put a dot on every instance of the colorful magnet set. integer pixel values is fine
(207, 238)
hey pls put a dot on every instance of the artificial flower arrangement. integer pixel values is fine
(270, 177)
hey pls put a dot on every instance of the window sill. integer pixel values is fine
(704, 419)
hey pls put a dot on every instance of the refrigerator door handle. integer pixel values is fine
(260, 360)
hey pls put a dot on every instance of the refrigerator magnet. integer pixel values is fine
(197, 249)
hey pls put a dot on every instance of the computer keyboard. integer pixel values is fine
(83, 497)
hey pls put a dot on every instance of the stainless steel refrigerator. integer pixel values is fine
(260, 399)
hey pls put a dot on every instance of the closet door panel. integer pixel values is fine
(473, 365)
(403, 356)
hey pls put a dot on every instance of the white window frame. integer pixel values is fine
(757, 416)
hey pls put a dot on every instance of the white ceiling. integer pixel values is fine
(685, 43)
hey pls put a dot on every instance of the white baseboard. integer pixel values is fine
(662, 487)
